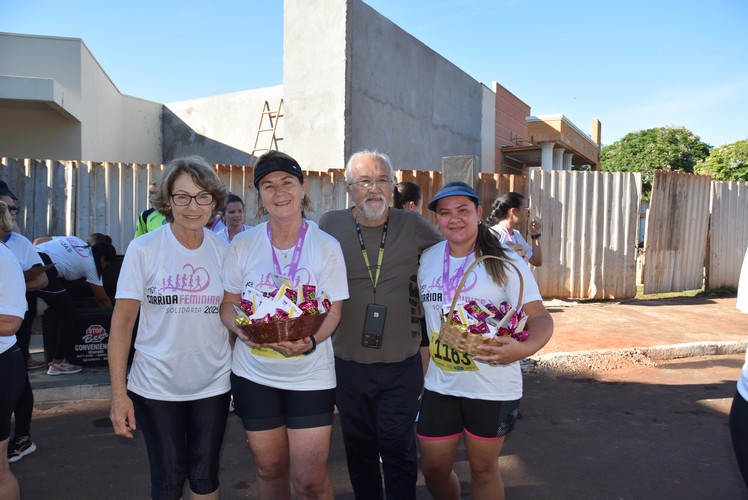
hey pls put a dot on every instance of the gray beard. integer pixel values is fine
(370, 214)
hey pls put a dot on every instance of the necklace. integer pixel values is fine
(284, 253)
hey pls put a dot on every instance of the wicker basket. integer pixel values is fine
(456, 336)
(290, 329)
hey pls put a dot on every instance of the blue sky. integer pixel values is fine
(631, 64)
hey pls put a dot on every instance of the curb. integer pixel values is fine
(568, 363)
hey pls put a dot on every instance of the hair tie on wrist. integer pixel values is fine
(535, 236)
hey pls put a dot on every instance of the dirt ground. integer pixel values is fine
(640, 432)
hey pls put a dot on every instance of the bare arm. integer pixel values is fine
(9, 325)
(43, 239)
(121, 413)
(540, 326)
(537, 251)
(102, 299)
(37, 283)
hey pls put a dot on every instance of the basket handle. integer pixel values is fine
(471, 267)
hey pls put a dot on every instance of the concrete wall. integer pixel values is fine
(314, 82)
(223, 128)
(405, 99)
(487, 162)
(73, 110)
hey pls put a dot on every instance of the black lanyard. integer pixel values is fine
(374, 280)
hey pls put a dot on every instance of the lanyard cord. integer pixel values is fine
(380, 257)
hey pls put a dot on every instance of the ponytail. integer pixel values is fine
(488, 244)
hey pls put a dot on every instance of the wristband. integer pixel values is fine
(535, 236)
(314, 345)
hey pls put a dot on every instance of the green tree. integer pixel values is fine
(728, 162)
(663, 148)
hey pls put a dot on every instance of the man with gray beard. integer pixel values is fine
(377, 361)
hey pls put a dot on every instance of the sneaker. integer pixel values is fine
(63, 368)
(19, 447)
(32, 364)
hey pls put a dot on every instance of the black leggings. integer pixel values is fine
(58, 300)
(184, 441)
(739, 433)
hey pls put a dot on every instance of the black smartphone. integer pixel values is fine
(374, 326)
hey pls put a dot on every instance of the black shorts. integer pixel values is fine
(445, 417)
(262, 408)
(183, 439)
(13, 376)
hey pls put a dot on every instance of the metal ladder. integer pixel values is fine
(272, 118)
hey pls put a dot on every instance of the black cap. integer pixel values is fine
(276, 162)
(5, 191)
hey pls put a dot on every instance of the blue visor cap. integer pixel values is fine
(453, 190)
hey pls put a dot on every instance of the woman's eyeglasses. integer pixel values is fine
(182, 200)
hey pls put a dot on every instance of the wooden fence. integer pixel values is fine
(590, 219)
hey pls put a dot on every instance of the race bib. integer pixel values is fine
(266, 352)
(448, 359)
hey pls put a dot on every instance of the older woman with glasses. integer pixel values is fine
(511, 212)
(178, 389)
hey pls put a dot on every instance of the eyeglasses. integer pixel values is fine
(182, 200)
(367, 185)
(13, 208)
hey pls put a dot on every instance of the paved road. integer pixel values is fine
(654, 432)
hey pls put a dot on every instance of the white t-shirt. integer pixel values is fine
(515, 237)
(12, 292)
(250, 262)
(23, 250)
(462, 376)
(72, 257)
(224, 231)
(182, 351)
(742, 304)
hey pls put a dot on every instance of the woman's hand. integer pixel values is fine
(509, 351)
(122, 415)
(535, 227)
(292, 347)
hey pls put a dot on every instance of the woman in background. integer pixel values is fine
(73, 259)
(233, 217)
(511, 212)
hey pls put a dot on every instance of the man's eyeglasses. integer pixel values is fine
(367, 185)
(182, 200)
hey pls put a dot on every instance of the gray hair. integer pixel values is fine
(381, 157)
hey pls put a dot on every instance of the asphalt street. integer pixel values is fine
(641, 432)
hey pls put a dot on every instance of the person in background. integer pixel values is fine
(178, 387)
(233, 217)
(24, 251)
(408, 197)
(285, 392)
(95, 238)
(149, 219)
(7, 197)
(511, 212)
(73, 259)
(12, 364)
(379, 371)
(476, 395)
(21, 444)
(739, 409)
